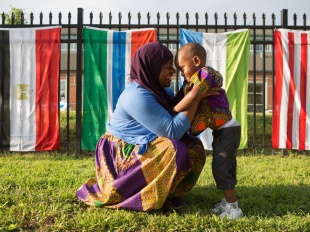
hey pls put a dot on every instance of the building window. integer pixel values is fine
(64, 46)
(63, 90)
(172, 46)
(259, 87)
(260, 47)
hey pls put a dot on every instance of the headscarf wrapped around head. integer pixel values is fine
(145, 69)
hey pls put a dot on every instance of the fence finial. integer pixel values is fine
(50, 17)
(110, 18)
(148, 16)
(31, 18)
(91, 16)
(158, 17)
(129, 18)
(273, 16)
(41, 18)
(139, 18)
(244, 19)
(100, 17)
(187, 18)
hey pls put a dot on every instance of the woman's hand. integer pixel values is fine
(212, 92)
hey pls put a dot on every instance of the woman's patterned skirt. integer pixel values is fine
(127, 180)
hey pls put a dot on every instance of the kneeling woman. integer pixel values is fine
(146, 159)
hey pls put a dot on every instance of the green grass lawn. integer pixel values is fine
(37, 193)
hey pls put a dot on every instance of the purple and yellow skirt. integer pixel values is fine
(127, 180)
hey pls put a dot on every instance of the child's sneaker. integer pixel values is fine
(232, 211)
(219, 207)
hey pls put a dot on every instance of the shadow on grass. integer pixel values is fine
(264, 202)
(261, 201)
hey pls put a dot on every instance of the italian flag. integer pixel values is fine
(107, 59)
(229, 54)
(291, 108)
(29, 85)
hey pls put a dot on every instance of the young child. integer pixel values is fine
(214, 113)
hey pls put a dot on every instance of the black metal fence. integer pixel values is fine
(261, 63)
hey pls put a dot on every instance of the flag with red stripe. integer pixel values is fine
(291, 108)
(107, 58)
(29, 84)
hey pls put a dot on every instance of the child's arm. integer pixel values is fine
(194, 95)
(178, 97)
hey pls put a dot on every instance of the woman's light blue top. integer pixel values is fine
(138, 118)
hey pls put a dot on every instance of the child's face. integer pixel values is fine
(187, 65)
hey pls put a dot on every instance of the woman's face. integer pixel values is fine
(166, 74)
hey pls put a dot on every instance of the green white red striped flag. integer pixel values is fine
(228, 53)
(29, 85)
(107, 58)
(291, 108)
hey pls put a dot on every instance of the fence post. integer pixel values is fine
(79, 80)
(284, 18)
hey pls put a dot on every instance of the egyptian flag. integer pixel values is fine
(291, 108)
(228, 53)
(29, 83)
(107, 58)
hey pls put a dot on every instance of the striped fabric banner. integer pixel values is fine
(29, 85)
(107, 58)
(291, 108)
(229, 54)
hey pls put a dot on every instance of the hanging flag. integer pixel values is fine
(291, 108)
(29, 85)
(107, 58)
(229, 54)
